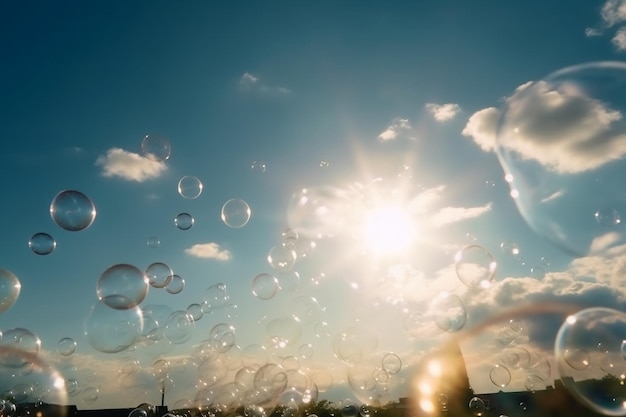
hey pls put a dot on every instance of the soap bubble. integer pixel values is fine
(10, 287)
(392, 364)
(184, 221)
(195, 311)
(500, 376)
(42, 244)
(20, 347)
(157, 148)
(176, 284)
(216, 296)
(190, 187)
(283, 332)
(178, 327)
(281, 257)
(236, 213)
(449, 312)
(258, 166)
(305, 309)
(477, 406)
(264, 286)
(222, 336)
(582, 366)
(122, 286)
(109, 330)
(66, 346)
(355, 344)
(153, 242)
(159, 274)
(562, 144)
(72, 210)
(475, 266)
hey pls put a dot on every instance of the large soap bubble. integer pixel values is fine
(157, 148)
(236, 213)
(588, 351)
(122, 286)
(72, 210)
(109, 330)
(10, 288)
(562, 144)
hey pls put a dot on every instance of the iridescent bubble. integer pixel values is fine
(66, 346)
(157, 148)
(448, 312)
(475, 266)
(500, 376)
(175, 285)
(178, 327)
(281, 258)
(576, 354)
(184, 221)
(159, 274)
(10, 288)
(109, 330)
(153, 242)
(72, 210)
(608, 217)
(122, 286)
(264, 286)
(392, 364)
(42, 244)
(236, 213)
(258, 166)
(561, 142)
(19, 347)
(190, 187)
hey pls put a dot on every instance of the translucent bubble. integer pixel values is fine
(184, 221)
(122, 286)
(324, 164)
(153, 242)
(157, 148)
(448, 312)
(195, 311)
(20, 347)
(72, 210)
(272, 380)
(258, 166)
(500, 376)
(222, 336)
(306, 351)
(515, 358)
(175, 285)
(477, 406)
(288, 281)
(392, 364)
(578, 359)
(475, 266)
(10, 287)
(216, 296)
(354, 344)
(283, 332)
(138, 412)
(305, 309)
(66, 346)
(178, 327)
(561, 143)
(89, 394)
(281, 258)
(190, 187)
(42, 244)
(254, 355)
(236, 213)
(160, 368)
(109, 330)
(159, 274)
(509, 248)
(264, 286)
(129, 366)
(537, 272)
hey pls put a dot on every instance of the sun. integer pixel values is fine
(388, 230)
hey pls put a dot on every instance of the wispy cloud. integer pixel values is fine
(209, 250)
(130, 166)
(398, 127)
(443, 112)
(448, 215)
(251, 82)
(481, 127)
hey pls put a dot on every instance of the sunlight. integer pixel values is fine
(388, 230)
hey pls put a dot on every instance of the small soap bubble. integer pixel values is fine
(236, 213)
(10, 288)
(577, 356)
(477, 406)
(42, 244)
(190, 187)
(305, 309)
(264, 286)
(153, 242)
(195, 311)
(537, 272)
(159, 274)
(223, 337)
(392, 364)
(184, 221)
(561, 141)
(122, 286)
(509, 248)
(157, 148)
(281, 257)
(216, 296)
(475, 266)
(500, 376)
(449, 312)
(175, 285)
(66, 346)
(258, 166)
(72, 210)
(324, 164)
(178, 327)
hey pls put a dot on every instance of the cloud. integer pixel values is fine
(443, 112)
(481, 127)
(613, 12)
(448, 215)
(129, 166)
(619, 39)
(209, 251)
(395, 129)
(591, 32)
(251, 82)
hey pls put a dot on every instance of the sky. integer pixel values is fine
(412, 171)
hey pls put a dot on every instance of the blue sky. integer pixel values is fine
(356, 109)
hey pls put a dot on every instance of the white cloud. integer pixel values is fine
(209, 251)
(619, 39)
(251, 82)
(613, 12)
(481, 127)
(601, 243)
(554, 196)
(443, 112)
(448, 215)
(396, 128)
(591, 32)
(129, 166)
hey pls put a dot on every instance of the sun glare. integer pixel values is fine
(388, 230)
